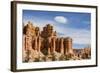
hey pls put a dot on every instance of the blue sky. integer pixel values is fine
(67, 24)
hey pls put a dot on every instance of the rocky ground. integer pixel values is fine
(34, 56)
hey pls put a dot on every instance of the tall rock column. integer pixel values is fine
(39, 44)
(28, 44)
(58, 44)
(68, 45)
(49, 45)
(53, 44)
(61, 46)
(49, 52)
(35, 41)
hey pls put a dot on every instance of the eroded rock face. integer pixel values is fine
(45, 45)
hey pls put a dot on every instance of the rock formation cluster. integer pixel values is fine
(45, 45)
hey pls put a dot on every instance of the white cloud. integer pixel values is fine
(61, 19)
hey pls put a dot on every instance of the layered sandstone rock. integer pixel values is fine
(45, 45)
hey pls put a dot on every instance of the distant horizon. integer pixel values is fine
(66, 24)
